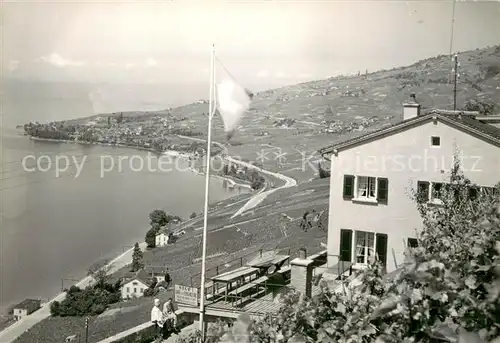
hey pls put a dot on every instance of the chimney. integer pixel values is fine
(411, 109)
(301, 273)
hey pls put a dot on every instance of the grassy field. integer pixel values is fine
(349, 106)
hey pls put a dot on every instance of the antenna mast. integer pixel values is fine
(455, 79)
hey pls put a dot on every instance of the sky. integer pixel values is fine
(258, 41)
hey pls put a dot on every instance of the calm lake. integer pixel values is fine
(56, 226)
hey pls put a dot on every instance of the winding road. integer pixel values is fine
(259, 197)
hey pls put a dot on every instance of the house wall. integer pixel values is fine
(161, 240)
(133, 289)
(403, 158)
(20, 313)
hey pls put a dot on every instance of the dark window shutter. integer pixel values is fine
(423, 190)
(473, 193)
(381, 248)
(382, 189)
(348, 186)
(345, 245)
(412, 242)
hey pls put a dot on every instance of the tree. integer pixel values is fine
(158, 218)
(193, 215)
(483, 107)
(322, 172)
(55, 308)
(258, 182)
(137, 258)
(151, 238)
(447, 290)
(99, 272)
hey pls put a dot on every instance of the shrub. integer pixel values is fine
(484, 108)
(55, 308)
(258, 183)
(151, 238)
(322, 172)
(92, 300)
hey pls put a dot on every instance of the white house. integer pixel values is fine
(370, 210)
(25, 308)
(135, 286)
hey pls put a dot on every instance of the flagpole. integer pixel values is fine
(207, 183)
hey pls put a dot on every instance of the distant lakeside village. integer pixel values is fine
(364, 254)
(149, 132)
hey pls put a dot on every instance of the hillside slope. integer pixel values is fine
(294, 121)
(349, 106)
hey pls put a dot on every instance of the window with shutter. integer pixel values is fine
(348, 186)
(423, 191)
(382, 189)
(381, 247)
(345, 251)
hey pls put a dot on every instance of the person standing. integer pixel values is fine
(157, 318)
(168, 279)
(169, 318)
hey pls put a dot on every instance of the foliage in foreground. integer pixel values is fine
(448, 289)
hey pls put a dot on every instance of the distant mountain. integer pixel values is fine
(378, 93)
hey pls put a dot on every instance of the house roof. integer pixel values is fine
(157, 270)
(141, 276)
(27, 303)
(465, 122)
(170, 227)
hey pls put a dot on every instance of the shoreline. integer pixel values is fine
(166, 152)
(172, 153)
(44, 310)
(228, 179)
(16, 329)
